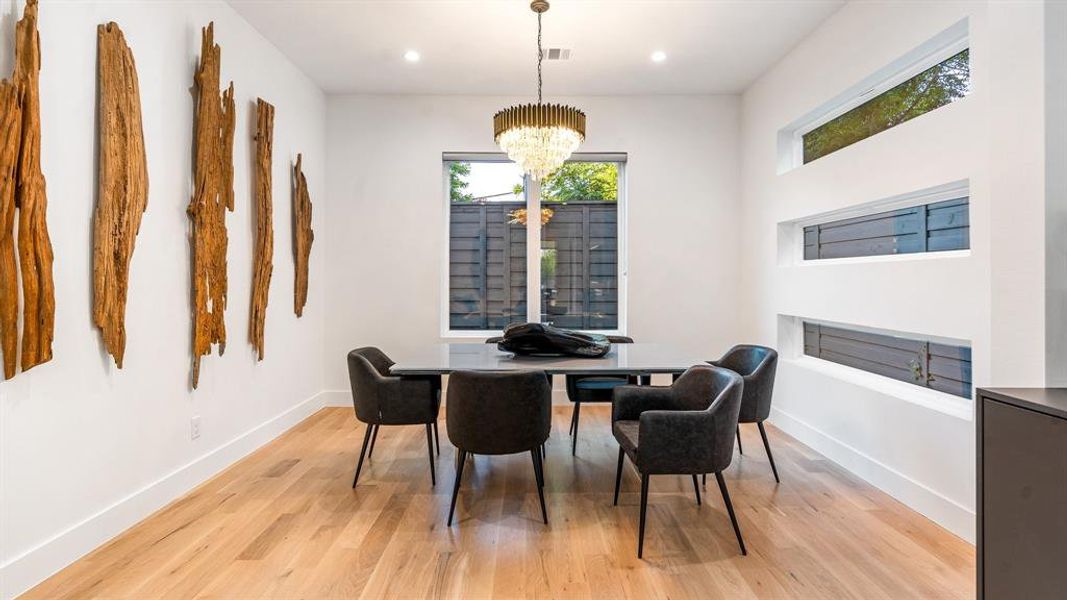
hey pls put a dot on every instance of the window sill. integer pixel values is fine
(884, 258)
(954, 406)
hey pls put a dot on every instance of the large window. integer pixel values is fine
(569, 256)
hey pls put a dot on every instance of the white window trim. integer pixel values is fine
(941, 47)
(533, 244)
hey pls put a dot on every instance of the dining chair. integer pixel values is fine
(596, 388)
(499, 413)
(685, 429)
(381, 399)
(756, 365)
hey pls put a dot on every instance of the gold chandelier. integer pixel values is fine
(539, 137)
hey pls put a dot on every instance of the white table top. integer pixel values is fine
(630, 359)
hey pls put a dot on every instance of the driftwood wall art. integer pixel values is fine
(10, 130)
(212, 197)
(303, 236)
(23, 188)
(122, 185)
(263, 254)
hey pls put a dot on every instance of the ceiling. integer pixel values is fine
(489, 46)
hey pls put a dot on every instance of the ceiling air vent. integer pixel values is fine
(557, 53)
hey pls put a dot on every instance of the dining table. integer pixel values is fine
(622, 359)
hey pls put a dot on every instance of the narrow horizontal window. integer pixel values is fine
(935, 227)
(942, 367)
(941, 84)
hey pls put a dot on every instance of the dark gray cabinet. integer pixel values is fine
(1022, 493)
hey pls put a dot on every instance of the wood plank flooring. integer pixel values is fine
(285, 523)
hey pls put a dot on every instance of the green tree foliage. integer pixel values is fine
(457, 182)
(578, 181)
(935, 87)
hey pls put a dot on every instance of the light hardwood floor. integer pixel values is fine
(285, 523)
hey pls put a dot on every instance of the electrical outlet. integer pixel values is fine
(194, 427)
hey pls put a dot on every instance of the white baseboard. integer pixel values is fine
(942, 510)
(37, 564)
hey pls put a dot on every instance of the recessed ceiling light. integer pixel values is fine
(659, 56)
(411, 56)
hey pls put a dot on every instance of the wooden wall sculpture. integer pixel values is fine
(10, 135)
(24, 188)
(122, 185)
(263, 255)
(212, 197)
(302, 235)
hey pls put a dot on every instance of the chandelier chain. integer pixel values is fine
(540, 57)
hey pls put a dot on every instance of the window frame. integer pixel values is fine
(938, 49)
(791, 233)
(923, 340)
(532, 192)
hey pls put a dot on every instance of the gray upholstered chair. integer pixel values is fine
(757, 366)
(685, 429)
(596, 388)
(499, 413)
(381, 399)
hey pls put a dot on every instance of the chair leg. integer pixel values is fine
(539, 475)
(644, 509)
(739, 449)
(455, 488)
(373, 439)
(704, 479)
(618, 476)
(767, 445)
(362, 453)
(730, 511)
(696, 488)
(577, 417)
(436, 438)
(574, 413)
(429, 448)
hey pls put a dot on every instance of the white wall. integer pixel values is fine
(386, 234)
(1056, 191)
(87, 450)
(920, 452)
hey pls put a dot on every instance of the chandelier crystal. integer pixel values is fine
(539, 137)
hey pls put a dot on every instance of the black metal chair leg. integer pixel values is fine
(577, 418)
(429, 448)
(739, 449)
(767, 445)
(730, 511)
(618, 476)
(455, 488)
(362, 453)
(373, 439)
(644, 508)
(539, 474)
(436, 438)
(704, 479)
(574, 413)
(696, 488)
